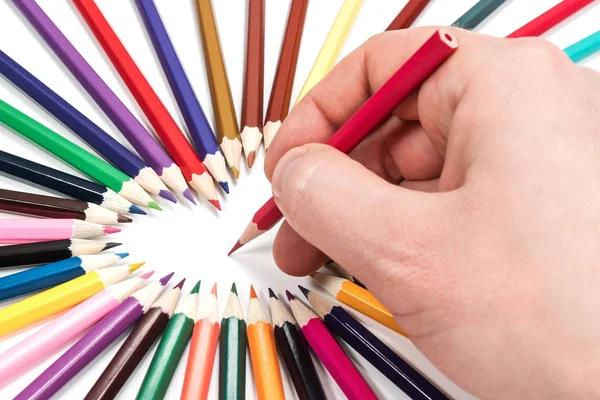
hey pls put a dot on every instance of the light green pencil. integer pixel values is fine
(584, 48)
(79, 158)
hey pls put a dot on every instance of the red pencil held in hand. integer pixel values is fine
(410, 75)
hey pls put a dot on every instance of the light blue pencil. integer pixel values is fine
(584, 48)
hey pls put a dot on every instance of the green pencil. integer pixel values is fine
(173, 343)
(232, 349)
(476, 14)
(79, 158)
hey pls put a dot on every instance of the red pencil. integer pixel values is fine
(550, 18)
(379, 106)
(173, 138)
(408, 14)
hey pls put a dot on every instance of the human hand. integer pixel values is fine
(487, 251)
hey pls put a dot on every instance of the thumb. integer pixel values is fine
(355, 217)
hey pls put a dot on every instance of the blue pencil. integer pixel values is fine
(105, 144)
(53, 274)
(195, 119)
(584, 48)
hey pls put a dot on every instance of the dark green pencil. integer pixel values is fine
(476, 14)
(232, 363)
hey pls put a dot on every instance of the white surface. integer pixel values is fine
(194, 241)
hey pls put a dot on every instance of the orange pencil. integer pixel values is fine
(263, 353)
(357, 298)
(203, 348)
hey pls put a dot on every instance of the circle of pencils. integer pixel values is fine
(172, 344)
(203, 348)
(137, 344)
(232, 350)
(20, 255)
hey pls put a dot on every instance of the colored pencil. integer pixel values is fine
(203, 348)
(56, 207)
(167, 129)
(82, 126)
(135, 347)
(361, 339)
(15, 231)
(379, 106)
(86, 349)
(171, 347)
(74, 155)
(550, 18)
(53, 274)
(476, 14)
(294, 350)
(226, 126)
(408, 15)
(106, 99)
(328, 350)
(283, 82)
(68, 184)
(19, 255)
(341, 272)
(332, 47)
(232, 350)
(195, 119)
(584, 48)
(263, 353)
(357, 298)
(61, 297)
(35, 348)
(251, 124)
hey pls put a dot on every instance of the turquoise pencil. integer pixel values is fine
(584, 48)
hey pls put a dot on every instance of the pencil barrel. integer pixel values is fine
(232, 359)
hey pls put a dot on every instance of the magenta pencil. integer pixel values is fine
(330, 353)
(33, 349)
(17, 231)
(93, 343)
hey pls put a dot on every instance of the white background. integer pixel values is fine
(193, 241)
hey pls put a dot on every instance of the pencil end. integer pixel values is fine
(147, 275)
(122, 255)
(196, 288)
(235, 247)
(154, 205)
(253, 293)
(187, 193)
(111, 245)
(180, 284)
(289, 295)
(272, 294)
(225, 186)
(111, 229)
(216, 204)
(123, 219)
(234, 289)
(136, 266)
(236, 172)
(304, 291)
(214, 289)
(165, 279)
(250, 158)
(136, 210)
(165, 194)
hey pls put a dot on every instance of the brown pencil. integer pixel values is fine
(226, 125)
(281, 91)
(407, 16)
(252, 100)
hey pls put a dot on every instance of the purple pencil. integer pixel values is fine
(119, 114)
(93, 343)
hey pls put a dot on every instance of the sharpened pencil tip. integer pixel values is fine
(216, 204)
(253, 293)
(147, 275)
(214, 289)
(304, 290)
(165, 279)
(136, 266)
(236, 172)
(235, 247)
(110, 245)
(123, 219)
(111, 229)
(154, 205)
(122, 255)
(165, 194)
(272, 294)
(225, 186)
(250, 159)
(289, 295)
(196, 288)
(136, 210)
(234, 288)
(180, 284)
(187, 193)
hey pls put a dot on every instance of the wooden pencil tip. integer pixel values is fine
(110, 245)
(123, 219)
(165, 279)
(253, 293)
(272, 294)
(304, 291)
(214, 289)
(180, 284)
(216, 204)
(289, 295)
(147, 275)
(136, 266)
(165, 194)
(154, 205)
(189, 196)
(111, 229)
(235, 247)
(196, 288)
(234, 289)
(236, 172)
(136, 210)
(250, 159)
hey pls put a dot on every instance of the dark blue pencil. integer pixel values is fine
(68, 184)
(361, 339)
(105, 144)
(50, 275)
(195, 119)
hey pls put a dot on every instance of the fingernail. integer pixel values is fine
(283, 168)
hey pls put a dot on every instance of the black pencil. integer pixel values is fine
(294, 350)
(19, 255)
(361, 339)
(68, 184)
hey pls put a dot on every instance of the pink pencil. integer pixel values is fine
(32, 350)
(330, 353)
(17, 231)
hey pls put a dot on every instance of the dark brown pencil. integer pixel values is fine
(409, 13)
(252, 100)
(56, 207)
(135, 347)
(281, 91)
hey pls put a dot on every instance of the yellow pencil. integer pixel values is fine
(332, 47)
(61, 297)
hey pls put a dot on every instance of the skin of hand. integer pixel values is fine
(487, 252)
